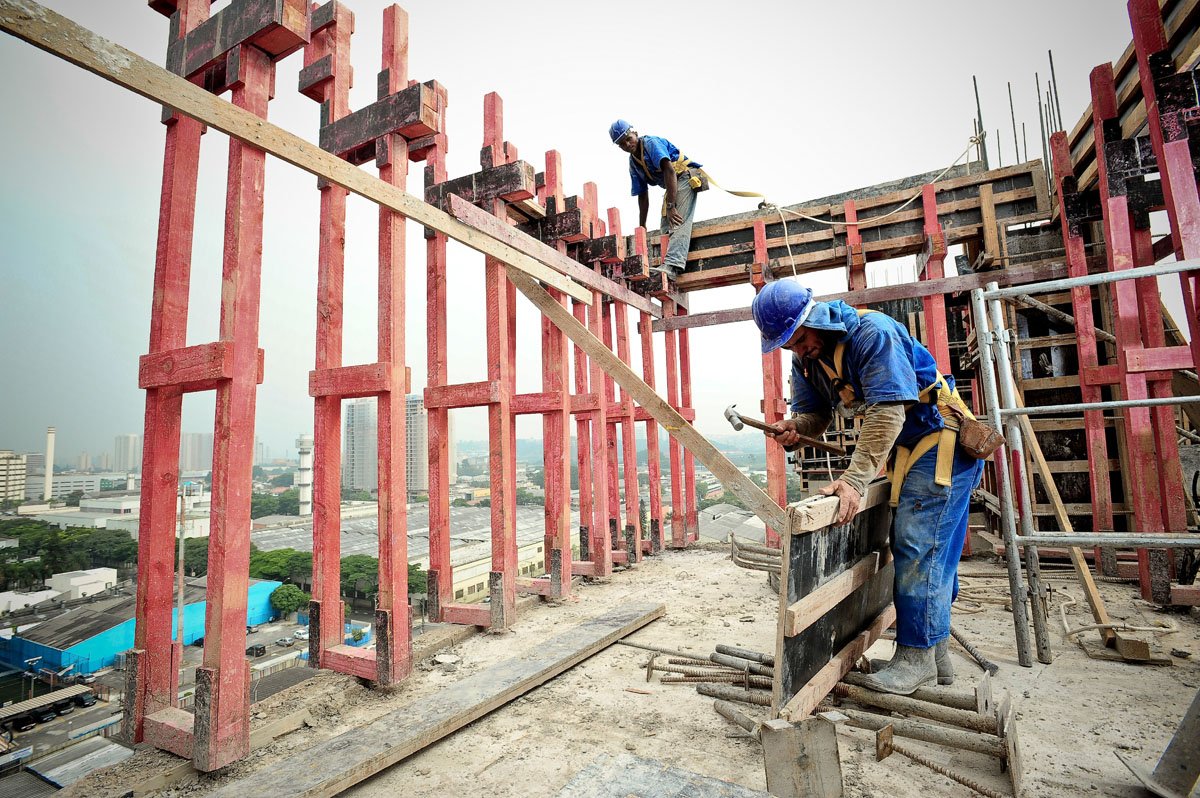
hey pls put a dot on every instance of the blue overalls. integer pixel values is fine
(881, 362)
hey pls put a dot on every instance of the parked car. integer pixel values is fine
(285, 642)
(44, 714)
(84, 699)
(300, 634)
(23, 722)
(64, 707)
(256, 650)
(85, 678)
(198, 642)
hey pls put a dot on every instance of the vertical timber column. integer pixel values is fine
(689, 460)
(556, 422)
(611, 440)
(325, 609)
(440, 579)
(1085, 342)
(774, 406)
(152, 675)
(600, 543)
(633, 513)
(583, 442)
(222, 730)
(933, 259)
(1170, 136)
(393, 650)
(653, 457)
(499, 296)
(678, 520)
(856, 259)
(1120, 234)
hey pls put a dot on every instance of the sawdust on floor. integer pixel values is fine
(1071, 714)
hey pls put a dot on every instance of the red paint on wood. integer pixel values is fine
(689, 459)
(856, 259)
(936, 337)
(678, 528)
(653, 457)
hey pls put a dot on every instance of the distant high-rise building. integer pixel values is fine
(12, 476)
(417, 444)
(84, 463)
(48, 482)
(360, 462)
(127, 453)
(304, 477)
(262, 452)
(35, 464)
(195, 451)
(104, 462)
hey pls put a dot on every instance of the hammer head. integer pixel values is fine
(734, 419)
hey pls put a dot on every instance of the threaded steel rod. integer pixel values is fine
(950, 774)
(979, 658)
(737, 663)
(925, 732)
(733, 714)
(954, 699)
(897, 703)
(745, 653)
(760, 698)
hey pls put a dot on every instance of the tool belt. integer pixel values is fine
(976, 438)
(696, 177)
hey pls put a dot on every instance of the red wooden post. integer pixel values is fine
(633, 523)
(932, 259)
(679, 538)
(440, 578)
(1085, 342)
(556, 423)
(583, 446)
(1120, 235)
(600, 545)
(774, 405)
(856, 259)
(152, 677)
(610, 444)
(689, 460)
(653, 458)
(222, 730)
(393, 649)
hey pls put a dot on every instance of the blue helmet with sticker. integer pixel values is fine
(618, 129)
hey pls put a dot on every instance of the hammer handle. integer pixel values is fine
(816, 443)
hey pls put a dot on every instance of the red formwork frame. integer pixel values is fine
(930, 265)
(774, 406)
(385, 136)
(222, 55)
(1085, 341)
(856, 257)
(1153, 476)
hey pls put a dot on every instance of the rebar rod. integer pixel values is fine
(926, 732)
(685, 670)
(737, 663)
(954, 699)
(963, 719)
(657, 649)
(979, 658)
(742, 545)
(950, 774)
(760, 698)
(730, 678)
(1013, 114)
(690, 661)
(745, 653)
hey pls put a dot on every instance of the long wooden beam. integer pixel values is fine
(886, 293)
(60, 36)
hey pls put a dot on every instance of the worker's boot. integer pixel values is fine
(945, 666)
(941, 656)
(908, 669)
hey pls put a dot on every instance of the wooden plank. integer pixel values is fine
(817, 512)
(327, 768)
(737, 483)
(801, 614)
(991, 233)
(54, 33)
(486, 223)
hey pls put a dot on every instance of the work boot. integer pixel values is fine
(908, 669)
(945, 666)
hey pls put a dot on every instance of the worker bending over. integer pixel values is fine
(866, 363)
(654, 161)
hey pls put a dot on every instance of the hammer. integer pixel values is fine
(737, 420)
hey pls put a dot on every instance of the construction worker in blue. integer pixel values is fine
(867, 363)
(654, 161)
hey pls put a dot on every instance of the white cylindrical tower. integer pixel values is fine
(304, 477)
(49, 484)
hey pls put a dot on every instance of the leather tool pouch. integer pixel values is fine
(976, 438)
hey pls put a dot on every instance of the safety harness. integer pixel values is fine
(948, 403)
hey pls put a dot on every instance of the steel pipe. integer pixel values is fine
(1102, 278)
(926, 732)
(1046, 410)
(1121, 540)
(961, 718)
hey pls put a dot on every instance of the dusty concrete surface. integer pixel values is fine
(1071, 714)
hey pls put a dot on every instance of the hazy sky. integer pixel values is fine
(792, 99)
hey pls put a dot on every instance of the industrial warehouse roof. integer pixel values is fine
(721, 520)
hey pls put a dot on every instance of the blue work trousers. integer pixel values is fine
(928, 530)
(681, 236)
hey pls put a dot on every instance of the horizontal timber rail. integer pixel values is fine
(64, 38)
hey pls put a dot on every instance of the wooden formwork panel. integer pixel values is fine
(835, 597)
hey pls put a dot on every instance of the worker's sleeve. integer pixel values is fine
(805, 398)
(637, 179)
(812, 425)
(883, 363)
(880, 428)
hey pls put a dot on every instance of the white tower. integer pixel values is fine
(49, 483)
(304, 477)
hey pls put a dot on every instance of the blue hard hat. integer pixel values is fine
(618, 129)
(779, 309)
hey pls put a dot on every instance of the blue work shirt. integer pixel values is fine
(654, 149)
(882, 362)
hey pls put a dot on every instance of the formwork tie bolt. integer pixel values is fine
(950, 774)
